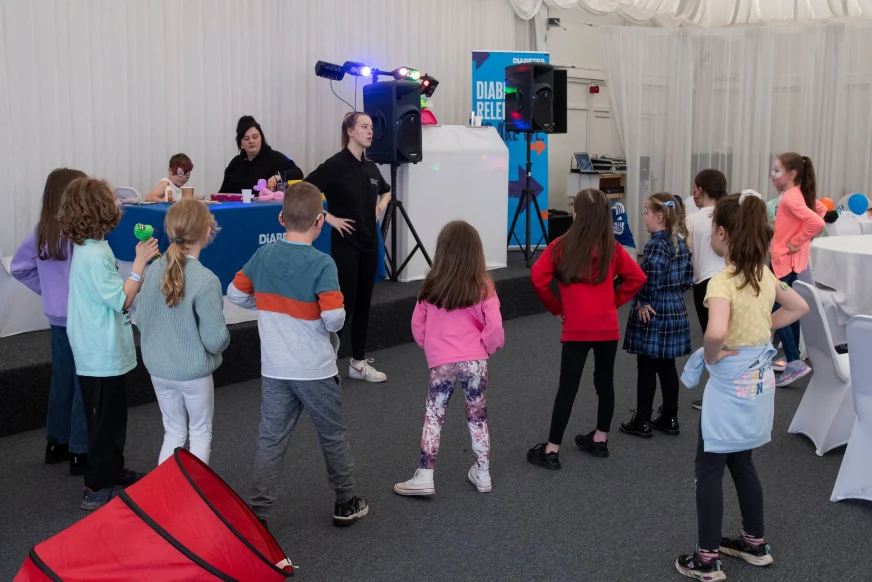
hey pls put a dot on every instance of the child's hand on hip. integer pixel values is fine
(646, 313)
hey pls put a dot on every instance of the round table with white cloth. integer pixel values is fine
(844, 264)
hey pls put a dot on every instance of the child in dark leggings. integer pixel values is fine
(586, 262)
(739, 398)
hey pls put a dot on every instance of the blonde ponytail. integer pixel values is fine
(173, 283)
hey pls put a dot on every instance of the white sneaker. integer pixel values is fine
(420, 484)
(480, 478)
(362, 370)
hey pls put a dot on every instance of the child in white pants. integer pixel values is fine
(181, 318)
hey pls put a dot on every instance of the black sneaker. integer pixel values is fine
(739, 548)
(692, 567)
(538, 456)
(585, 442)
(55, 453)
(639, 425)
(78, 464)
(667, 421)
(348, 512)
(126, 477)
(697, 404)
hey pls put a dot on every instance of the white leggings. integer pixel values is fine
(197, 397)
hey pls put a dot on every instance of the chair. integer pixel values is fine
(826, 412)
(855, 474)
(128, 195)
(846, 225)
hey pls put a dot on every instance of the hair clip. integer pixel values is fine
(746, 193)
(668, 204)
(177, 240)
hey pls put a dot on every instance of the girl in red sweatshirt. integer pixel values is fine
(595, 276)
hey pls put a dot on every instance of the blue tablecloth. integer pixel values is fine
(244, 229)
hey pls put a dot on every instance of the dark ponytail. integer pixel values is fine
(712, 182)
(747, 226)
(805, 177)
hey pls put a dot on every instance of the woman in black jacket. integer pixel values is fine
(256, 160)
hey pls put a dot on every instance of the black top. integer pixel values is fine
(352, 188)
(243, 174)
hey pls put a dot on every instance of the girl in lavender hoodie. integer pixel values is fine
(457, 322)
(42, 263)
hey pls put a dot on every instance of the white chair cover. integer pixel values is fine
(826, 412)
(846, 225)
(127, 195)
(855, 474)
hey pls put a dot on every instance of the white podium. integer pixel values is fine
(464, 174)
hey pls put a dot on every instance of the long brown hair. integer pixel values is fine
(88, 210)
(188, 221)
(712, 182)
(674, 217)
(805, 177)
(749, 234)
(51, 243)
(584, 253)
(458, 277)
(349, 122)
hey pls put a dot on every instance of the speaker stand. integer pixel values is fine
(389, 221)
(528, 196)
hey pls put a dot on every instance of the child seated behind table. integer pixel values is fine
(177, 176)
(295, 289)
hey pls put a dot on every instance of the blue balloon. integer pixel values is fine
(858, 204)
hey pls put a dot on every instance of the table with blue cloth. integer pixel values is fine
(244, 229)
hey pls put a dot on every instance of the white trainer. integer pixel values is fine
(480, 478)
(362, 370)
(420, 484)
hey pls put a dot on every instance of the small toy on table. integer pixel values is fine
(266, 193)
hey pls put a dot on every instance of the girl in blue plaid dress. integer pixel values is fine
(658, 330)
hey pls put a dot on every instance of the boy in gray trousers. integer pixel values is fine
(295, 289)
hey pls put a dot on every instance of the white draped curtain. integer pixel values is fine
(706, 13)
(733, 99)
(115, 87)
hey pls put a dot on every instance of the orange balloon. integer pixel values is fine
(828, 203)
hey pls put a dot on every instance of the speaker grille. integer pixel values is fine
(409, 137)
(543, 109)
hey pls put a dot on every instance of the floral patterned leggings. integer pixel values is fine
(473, 378)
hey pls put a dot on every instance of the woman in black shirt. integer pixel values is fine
(357, 196)
(256, 160)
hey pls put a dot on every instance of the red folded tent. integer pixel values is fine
(181, 522)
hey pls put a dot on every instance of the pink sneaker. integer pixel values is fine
(793, 372)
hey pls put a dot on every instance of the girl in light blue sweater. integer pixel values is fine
(738, 402)
(181, 318)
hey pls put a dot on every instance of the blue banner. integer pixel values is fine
(488, 90)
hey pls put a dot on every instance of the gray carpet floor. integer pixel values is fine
(624, 518)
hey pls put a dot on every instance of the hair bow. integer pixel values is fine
(746, 193)
(668, 204)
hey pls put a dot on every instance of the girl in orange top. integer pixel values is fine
(798, 219)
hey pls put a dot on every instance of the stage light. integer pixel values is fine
(406, 73)
(357, 69)
(329, 71)
(428, 85)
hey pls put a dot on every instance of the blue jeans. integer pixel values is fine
(789, 335)
(66, 423)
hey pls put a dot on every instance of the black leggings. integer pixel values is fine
(710, 493)
(105, 401)
(571, 366)
(649, 369)
(357, 271)
(699, 290)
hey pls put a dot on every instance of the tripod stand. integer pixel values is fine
(527, 197)
(389, 219)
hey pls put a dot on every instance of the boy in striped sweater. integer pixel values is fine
(295, 289)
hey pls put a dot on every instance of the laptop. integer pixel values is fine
(582, 160)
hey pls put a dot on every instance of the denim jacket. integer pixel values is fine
(739, 399)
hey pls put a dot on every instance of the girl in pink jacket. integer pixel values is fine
(457, 322)
(798, 219)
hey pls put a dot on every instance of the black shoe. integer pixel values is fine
(55, 453)
(697, 404)
(78, 464)
(348, 512)
(666, 421)
(639, 425)
(585, 442)
(739, 548)
(126, 477)
(538, 456)
(692, 567)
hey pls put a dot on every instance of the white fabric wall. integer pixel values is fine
(734, 98)
(114, 87)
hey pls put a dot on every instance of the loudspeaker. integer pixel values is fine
(529, 98)
(395, 109)
(560, 103)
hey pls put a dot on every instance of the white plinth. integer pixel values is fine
(464, 175)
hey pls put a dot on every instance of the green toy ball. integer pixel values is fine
(143, 231)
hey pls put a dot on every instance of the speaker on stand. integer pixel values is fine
(395, 110)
